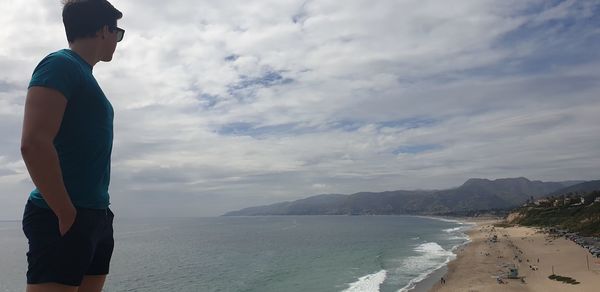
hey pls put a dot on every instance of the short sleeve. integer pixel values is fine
(57, 72)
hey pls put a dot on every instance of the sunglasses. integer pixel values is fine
(120, 32)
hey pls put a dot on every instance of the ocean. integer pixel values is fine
(263, 254)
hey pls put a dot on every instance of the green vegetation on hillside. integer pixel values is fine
(561, 212)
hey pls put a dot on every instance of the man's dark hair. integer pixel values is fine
(83, 18)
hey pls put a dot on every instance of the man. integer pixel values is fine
(66, 144)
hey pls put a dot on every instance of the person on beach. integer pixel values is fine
(66, 144)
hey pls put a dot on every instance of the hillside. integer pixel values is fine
(565, 211)
(474, 194)
(588, 186)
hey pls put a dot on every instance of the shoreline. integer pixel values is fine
(426, 282)
(431, 280)
(535, 254)
(435, 284)
(434, 277)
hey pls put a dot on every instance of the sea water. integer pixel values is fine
(263, 254)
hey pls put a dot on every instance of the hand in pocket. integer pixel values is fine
(66, 221)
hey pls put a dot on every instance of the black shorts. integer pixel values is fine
(85, 249)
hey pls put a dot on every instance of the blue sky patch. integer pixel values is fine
(245, 89)
(208, 100)
(231, 58)
(257, 131)
(414, 149)
(354, 125)
(560, 42)
(346, 125)
(270, 78)
(410, 123)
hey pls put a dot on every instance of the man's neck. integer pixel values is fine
(86, 49)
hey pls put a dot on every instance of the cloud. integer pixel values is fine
(222, 104)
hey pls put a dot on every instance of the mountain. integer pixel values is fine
(583, 187)
(568, 183)
(484, 194)
(315, 205)
(474, 194)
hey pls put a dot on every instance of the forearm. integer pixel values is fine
(43, 165)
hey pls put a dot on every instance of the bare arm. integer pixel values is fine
(44, 109)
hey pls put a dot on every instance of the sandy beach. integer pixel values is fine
(535, 254)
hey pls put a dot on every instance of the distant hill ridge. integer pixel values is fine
(587, 186)
(475, 194)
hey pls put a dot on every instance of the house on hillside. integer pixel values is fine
(541, 202)
(597, 200)
(580, 202)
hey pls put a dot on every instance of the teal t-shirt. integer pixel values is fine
(84, 140)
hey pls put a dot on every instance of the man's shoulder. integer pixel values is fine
(60, 58)
(60, 62)
(58, 71)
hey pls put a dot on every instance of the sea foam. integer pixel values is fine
(457, 221)
(432, 248)
(368, 283)
(432, 257)
(458, 233)
(450, 230)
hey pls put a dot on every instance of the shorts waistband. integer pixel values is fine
(105, 211)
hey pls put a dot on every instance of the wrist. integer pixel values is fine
(66, 211)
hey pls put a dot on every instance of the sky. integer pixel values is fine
(221, 105)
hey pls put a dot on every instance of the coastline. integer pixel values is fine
(535, 254)
(434, 277)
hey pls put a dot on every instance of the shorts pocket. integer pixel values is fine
(40, 226)
(74, 227)
(35, 217)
